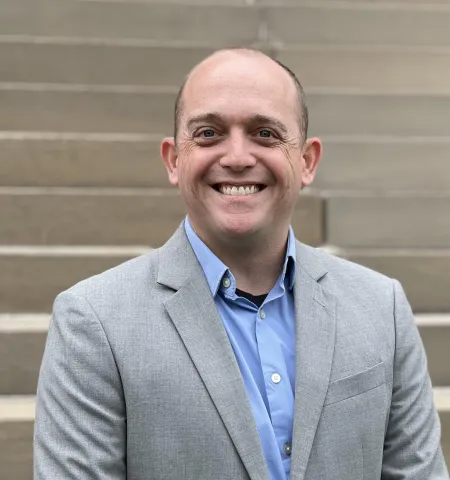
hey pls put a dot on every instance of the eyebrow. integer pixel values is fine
(252, 120)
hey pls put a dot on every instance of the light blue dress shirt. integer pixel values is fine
(263, 340)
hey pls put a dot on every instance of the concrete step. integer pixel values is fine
(79, 108)
(132, 109)
(424, 273)
(132, 160)
(207, 24)
(359, 23)
(81, 160)
(84, 61)
(22, 341)
(33, 276)
(91, 216)
(383, 3)
(401, 69)
(16, 437)
(383, 163)
(16, 433)
(42, 59)
(388, 219)
(435, 333)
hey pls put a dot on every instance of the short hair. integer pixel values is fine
(302, 106)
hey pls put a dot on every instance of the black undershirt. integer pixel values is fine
(258, 300)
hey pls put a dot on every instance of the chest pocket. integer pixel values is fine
(357, 384)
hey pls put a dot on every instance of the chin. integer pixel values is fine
(239, 227)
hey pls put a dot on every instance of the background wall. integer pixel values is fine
(87, 89)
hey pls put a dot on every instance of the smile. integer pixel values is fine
(238, 190)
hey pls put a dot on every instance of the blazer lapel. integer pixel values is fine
(315, 338)
(195, 316)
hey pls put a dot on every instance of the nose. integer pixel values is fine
(238, 156)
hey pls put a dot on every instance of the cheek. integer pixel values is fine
(191, 167)
(292, 162)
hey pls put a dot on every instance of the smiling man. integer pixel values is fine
(234, 351)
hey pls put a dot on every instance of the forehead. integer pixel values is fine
(238, 86)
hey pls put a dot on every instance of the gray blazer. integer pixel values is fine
(139, 380)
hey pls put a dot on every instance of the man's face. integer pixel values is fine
(239, 157)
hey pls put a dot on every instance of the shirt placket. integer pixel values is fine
(278, 388)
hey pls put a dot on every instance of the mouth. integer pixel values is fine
(238, 190)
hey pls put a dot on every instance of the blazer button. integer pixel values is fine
(287, 449)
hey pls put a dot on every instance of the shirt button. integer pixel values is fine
(226, 282)
(276, 378)
(262, 314)
(287, 449)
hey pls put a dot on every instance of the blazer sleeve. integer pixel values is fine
(412, 448)
(80, 426)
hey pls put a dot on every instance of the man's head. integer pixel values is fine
(241, 155)
(302, 107)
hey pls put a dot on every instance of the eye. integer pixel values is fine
(264, 133)
(207, 133)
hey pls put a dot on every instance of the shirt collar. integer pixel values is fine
(214, 269)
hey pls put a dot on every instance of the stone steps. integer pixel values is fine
(132, 109)
(132, 160)
(389, 219)
(89, 216)
(16, 437)
(399, 23)
(424, 273)
(138, 216)
(124, 62)
(384, 163)
(81, 160)
(22, 341)
(16, 433)
(32, 276)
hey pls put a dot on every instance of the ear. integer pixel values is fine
(170, 158)
(312, 153)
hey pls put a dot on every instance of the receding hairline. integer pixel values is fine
(246, 51)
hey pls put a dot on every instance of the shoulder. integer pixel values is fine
(342, 276)
(126, 279)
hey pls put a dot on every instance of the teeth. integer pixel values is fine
(237, 191)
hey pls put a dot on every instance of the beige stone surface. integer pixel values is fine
(150, 110)
(207, 24)
(358, 23)
(80, 109)
(374, 68)
(119, 62)
(31, 279)
(383, 164)
(109, 62)
(412, 220)
(435, 333)
(424, 274)
(375, 113)
(113, 217)
(16, 438)
(22, 341)
(81, 161)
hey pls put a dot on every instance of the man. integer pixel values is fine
(235, 352)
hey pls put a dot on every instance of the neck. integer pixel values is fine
(256, 265)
